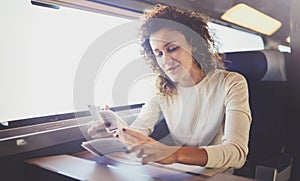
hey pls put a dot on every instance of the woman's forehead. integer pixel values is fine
(166, 35)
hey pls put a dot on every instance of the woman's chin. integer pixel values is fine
(173, 78)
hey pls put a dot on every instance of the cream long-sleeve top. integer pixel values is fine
(214, 114)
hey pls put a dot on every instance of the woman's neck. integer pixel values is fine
(194, 78)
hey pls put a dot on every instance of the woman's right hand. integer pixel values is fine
(96, 129)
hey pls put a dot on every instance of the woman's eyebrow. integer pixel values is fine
(168, 43)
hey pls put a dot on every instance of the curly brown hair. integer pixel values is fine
(191, 24)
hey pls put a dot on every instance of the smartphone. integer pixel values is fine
(110, 119)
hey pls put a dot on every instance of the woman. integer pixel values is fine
(206, 109)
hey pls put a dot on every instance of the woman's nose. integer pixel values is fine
(166, 58)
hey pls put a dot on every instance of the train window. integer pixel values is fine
(40, 51)
(283, 48)
(42, 47)
(233, 40)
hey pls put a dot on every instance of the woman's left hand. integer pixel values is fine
(151, 150)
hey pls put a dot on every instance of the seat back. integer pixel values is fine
(268, 97)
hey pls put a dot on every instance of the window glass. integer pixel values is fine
(232, 40)
(40, 51)
(283, 48)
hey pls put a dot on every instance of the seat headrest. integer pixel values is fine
(266, 65)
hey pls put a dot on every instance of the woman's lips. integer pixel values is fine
(172, 69)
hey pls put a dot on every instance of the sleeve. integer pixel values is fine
(148, 117)
(233, 150)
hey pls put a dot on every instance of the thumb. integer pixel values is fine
(106, 107)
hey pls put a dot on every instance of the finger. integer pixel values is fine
(135, 134)
(163, 159)
(94, 123)
(143, 149)
(115, 134)
(97, 124)
(134, 148)
(149, 150)
(149, 158)
(100, 135)
(140, 153)
(93, 129)
(98, 131)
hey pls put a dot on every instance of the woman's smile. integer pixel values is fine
(172, 69)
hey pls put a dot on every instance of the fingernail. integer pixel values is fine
(127, 150)
(107, 124)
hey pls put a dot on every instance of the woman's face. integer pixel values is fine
(174, 56)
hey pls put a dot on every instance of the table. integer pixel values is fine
(86, 166)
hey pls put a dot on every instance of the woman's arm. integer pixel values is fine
(192, 156)
(233, 150)
(151, 150)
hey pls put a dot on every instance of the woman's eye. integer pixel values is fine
(158, 54)
(172, 48)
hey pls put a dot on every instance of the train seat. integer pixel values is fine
(267, 83)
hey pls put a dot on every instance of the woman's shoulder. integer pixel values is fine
(227, 79)
(227, 75)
